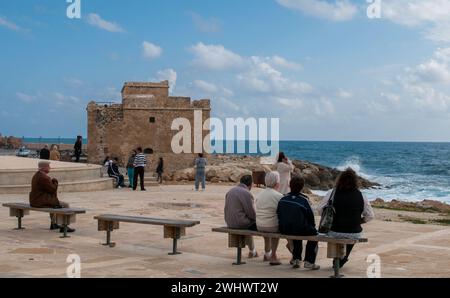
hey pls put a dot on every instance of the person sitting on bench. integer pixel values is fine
(352, 210)
(44, 194)
(266, 215)
(240, 210)
(113, 172)
(297, 218)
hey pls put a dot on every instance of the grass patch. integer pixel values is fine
(413, 220)
(443, 221)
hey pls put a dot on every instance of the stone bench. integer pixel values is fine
(172, 228)
(64, 216)
(335, 246)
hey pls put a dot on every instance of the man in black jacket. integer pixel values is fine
(44, 153)
(297, 218)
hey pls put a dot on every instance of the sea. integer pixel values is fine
(405, 170)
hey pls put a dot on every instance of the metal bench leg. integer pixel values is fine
(336, 269)
(19, 221)
(175, 243)
(66, 223)
(108, 236)
(239, 257)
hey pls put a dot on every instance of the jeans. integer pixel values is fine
(200, 176)
(131, 176)
(311, 251)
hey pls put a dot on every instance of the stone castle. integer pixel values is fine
(143, 119)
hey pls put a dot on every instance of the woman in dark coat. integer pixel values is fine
(352, 210)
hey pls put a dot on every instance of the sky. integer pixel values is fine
(323, 67)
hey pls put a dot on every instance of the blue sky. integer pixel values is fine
(322, 66)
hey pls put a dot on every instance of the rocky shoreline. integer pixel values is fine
(229, 168)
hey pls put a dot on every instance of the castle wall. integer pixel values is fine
(118, 129)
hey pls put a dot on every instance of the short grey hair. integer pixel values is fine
(43, 164)
(272, 179)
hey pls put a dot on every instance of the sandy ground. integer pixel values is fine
(405, 249)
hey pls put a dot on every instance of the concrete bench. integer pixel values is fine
(172, 228)
(64, 216)
(335, 246)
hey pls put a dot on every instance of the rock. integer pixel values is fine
(230, 168)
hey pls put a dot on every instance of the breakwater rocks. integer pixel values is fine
(230, 168)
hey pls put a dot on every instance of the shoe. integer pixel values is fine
(143, 189)
(342, 262)
(252, 255)
(69, 230)
(266, 258)
(275, 262)
(54, 226)
(311, 266)
(119, 187)
(296, 264)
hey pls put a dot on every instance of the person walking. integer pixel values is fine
(200, 172)
(78, 148)
(130, 168)
(160, 170)
(139, 164)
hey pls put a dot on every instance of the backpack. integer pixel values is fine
(328, 213)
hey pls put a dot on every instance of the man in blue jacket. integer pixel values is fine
(296, 218)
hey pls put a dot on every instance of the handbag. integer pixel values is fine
(326, 221)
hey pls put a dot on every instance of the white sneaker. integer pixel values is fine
(311, 266)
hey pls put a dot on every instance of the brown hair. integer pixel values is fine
(347, 180)
(297, 183)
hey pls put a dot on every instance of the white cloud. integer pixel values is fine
(282, 62)
(151, 50)
(10, 25)
(215, 57)
(434, 15)
(339, 10)
(62, 99)
(228, 104)
(205, 86)
(74, 82)
(344, 94)
(25, 97)
(260, 76)
(205, 25)
(96, 21)
(169, 75)
(436, 70)
(290, 103)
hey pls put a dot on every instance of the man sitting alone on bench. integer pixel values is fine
(240, 210)
(44, 194)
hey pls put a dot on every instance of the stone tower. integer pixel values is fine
(144, 119)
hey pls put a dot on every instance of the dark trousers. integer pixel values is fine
(348, 250)
(77, 156)
(160, 178)
(119, 180)
(311, 251)
(138, 171)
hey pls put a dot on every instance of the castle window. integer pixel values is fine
(148, 151)
(152, 119)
